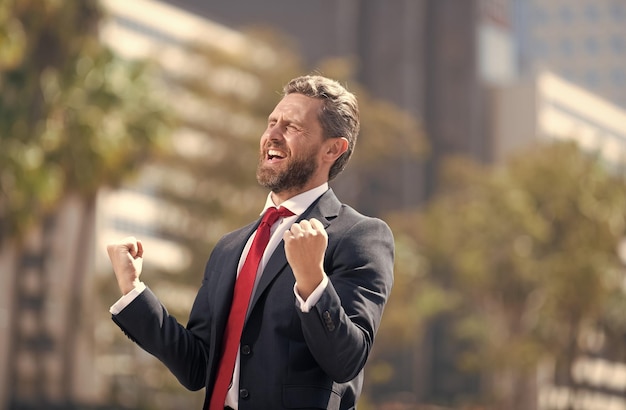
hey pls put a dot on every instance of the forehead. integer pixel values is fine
(298, 107)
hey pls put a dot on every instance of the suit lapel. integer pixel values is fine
(226, 282)
(274, 266)
(324, 209)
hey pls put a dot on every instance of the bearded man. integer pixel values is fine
(289, 305)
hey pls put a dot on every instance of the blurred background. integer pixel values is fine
(493, 142)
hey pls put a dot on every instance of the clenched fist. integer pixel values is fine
(305, 246)
(127, 259)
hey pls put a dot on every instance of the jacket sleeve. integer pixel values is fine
(340, 328)
(182, 349)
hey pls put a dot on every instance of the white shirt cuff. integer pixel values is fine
(127, 298)
(306, 305)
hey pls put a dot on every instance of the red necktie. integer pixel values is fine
(239, 307)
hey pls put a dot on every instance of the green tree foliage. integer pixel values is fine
(521, 259)
(73, 116)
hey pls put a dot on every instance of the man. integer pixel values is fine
(298, 335)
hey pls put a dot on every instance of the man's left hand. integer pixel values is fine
(305, 245)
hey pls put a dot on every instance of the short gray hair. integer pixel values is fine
(339, 116)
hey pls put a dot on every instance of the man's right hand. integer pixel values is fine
(127, 258)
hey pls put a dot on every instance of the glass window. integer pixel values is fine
(618, 11)
(618, 76)
(592, 13)
(566, 14)
(540, 16)
(567, 46)
(618, 44)
(592, 78)
(540, 48)
(592, 45)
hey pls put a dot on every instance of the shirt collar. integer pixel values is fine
(299, 203)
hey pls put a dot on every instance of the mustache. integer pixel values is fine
(275, 145)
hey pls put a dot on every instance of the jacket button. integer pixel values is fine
(244, 394)
(245, 350)
(328, 321)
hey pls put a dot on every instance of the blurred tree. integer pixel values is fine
(519, 260)
(73, 117)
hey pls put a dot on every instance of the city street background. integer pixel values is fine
(493, 142)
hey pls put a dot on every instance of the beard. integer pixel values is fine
(297, 173)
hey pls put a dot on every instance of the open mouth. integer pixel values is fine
(275, 155)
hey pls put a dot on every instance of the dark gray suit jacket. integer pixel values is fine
(289, 359)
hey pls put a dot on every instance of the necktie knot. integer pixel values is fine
(273, 214)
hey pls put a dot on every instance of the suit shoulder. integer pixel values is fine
(348, 211)
(353, 220)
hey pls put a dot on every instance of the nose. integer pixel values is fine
(274, 133)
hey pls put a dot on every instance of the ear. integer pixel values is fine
(334, 148)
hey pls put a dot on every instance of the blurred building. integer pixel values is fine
(47, 362)
(550, 107)
(583, 41)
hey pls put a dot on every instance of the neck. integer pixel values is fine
(282, 196)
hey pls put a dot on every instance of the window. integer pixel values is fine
(592, 13)
(618, 44)
(540, 16)
(592, 45)
(566, 14)
(618, 76)
(566, 46)
(539, 48)
(592, 78)
(618, 11)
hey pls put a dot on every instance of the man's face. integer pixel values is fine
(290, 146)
